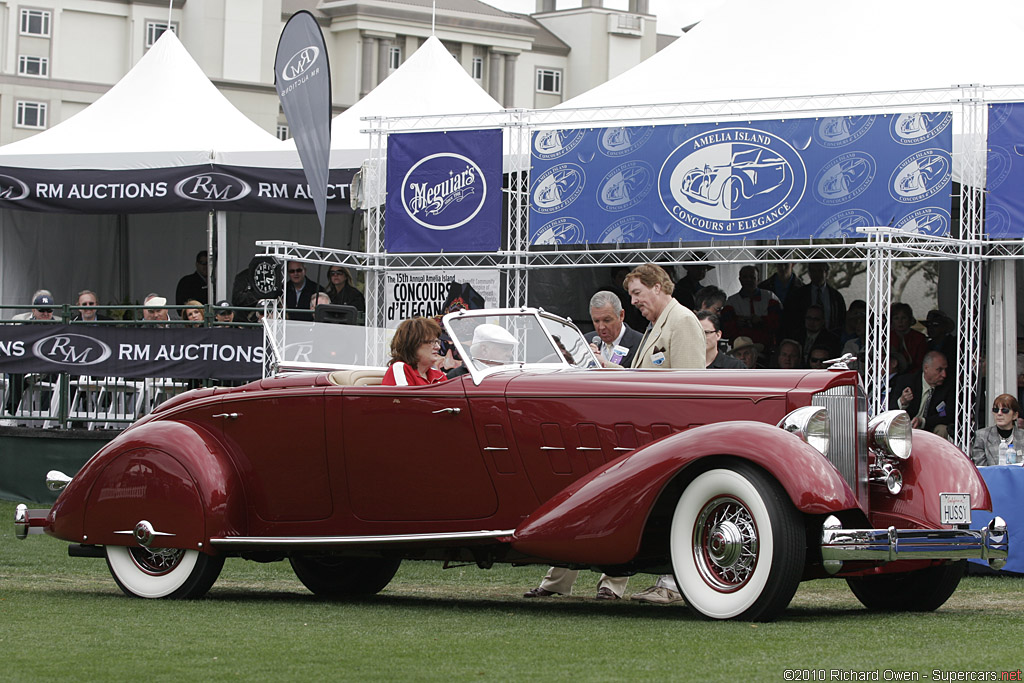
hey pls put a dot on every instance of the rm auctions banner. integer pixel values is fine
(222, 353)
(185, 188)
(794, 179)
(444, 192)
(1004, 202)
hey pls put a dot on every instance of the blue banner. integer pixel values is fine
(805, 178)
(1004, 200)
(444, 192)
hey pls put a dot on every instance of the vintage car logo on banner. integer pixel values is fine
(732, 181)
(552, 144)
(560, 231)
(926, 221)
(212, 187)
(12, 189)
(625, 186)
(918, 127)
(999, 164)
(557, 188)
(844, 178)
(617, 142)
(921, 175)
(300, 63)
(628, 229)
(845, 224)
(71, 349)
(839, 131)
(998, 223)
(444, 191)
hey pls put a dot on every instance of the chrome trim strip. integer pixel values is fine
(494, 448)
(623, 448)
(360, 540)
(552, 448)
(587, 448)
(991, 543)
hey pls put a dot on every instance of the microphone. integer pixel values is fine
(596, 341)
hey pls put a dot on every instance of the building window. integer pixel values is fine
(549, 81)
(31, 115)
(283, 133)
(478, 68)
(35, 22)
(38, 67)
(394, 58)
(155, 29)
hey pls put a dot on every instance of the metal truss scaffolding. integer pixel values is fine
(880, 247)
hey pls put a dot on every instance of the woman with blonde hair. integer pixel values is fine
(194, 313)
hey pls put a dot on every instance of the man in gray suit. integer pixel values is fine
(609, 323)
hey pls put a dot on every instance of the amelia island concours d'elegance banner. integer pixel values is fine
(100, 350)
(795, 179)
(1004, 200)
(444, 192)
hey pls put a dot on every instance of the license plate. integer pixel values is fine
(955, 507)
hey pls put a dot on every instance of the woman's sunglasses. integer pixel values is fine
(1001, 409)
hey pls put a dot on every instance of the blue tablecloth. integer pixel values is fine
(1006, 486)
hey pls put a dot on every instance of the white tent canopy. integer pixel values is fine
(163, 113)
(430, 83)
(785, 48)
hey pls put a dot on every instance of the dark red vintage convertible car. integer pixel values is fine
(741, 484)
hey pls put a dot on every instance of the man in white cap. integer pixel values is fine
(492, 345)
(154, 310)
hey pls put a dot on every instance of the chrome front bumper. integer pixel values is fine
(884, 545)
(28, 521)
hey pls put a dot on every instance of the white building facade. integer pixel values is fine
(58, 56)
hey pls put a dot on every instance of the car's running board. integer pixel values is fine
(271, 541)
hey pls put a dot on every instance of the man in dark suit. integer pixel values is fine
(815, 334)
(925, 395)
(817, 293)
(608, 316)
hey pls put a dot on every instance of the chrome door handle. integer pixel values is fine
(230, 416)
(449, 411)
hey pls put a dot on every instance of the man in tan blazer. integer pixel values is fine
(675, 338)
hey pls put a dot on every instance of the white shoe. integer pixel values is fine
(657, 595)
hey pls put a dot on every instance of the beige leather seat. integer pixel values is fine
(357, 378)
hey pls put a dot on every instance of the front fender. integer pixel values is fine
(935, 466)
(174, 475)
(600, 518)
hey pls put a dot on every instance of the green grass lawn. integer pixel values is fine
(64, 618)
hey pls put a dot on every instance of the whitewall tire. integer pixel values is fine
(162, 572)
(737, 544)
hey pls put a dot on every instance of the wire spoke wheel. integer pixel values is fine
(737, 544)
(163, 572)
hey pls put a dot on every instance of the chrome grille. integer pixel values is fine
(848, 419)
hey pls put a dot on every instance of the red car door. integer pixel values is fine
(411, 454)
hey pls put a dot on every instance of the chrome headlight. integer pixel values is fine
(810, 423)
(890, 433)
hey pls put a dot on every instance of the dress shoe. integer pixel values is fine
(539, 592)
(657, 595)
(605, 593)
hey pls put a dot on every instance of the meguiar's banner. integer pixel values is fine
(793, 179)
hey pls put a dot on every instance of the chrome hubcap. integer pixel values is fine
(725, 544)
(156, 561)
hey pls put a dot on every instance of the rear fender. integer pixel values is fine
(600, 518)
(171, 474)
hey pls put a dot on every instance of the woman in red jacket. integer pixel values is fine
(414, 354)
